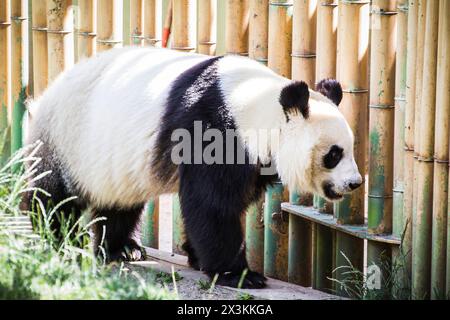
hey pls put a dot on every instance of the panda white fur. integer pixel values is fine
(106, 125)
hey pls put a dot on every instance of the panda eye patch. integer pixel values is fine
(332, 158)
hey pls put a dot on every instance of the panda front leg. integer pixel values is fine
(211, 208)
(114, 233)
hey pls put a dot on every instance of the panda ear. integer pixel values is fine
(294, 98)
(331, 89)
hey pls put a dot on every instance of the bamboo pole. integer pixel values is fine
(136, 22)
(381, 129)
(207, 26)
(422, 221)
(254, 236)
(398, 223)
(152, 25)
(88, 28)
(40, 51)
(299, 246)
(275, 234)
(258, 46)
(441, 155)
(5, 77)
(183, 30)
(408, 196)
(327, 17)
(280, 37)
(178, 235)
(352, 71)
(109, 24)
(19, 69)
(258, 30)
(304, 41)
(150, 225)
(236, 27)
(60, 36)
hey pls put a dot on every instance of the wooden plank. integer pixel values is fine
(359, 231)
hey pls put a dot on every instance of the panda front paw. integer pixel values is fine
(130, 252)
(252, 280)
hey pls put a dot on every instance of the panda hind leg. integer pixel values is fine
(212, 220)
(114, 233)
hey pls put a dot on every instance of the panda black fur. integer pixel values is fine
(106, 129)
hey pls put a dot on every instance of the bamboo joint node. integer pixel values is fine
(437, 160)
(383, 13)
(355, 91)
(303, 55)
(280, 4)
(331, 5)
(359, 2)
(381, 106)
(39, 29)
(87, 34)
(401, 98)
(18, 18)
(4, 24)
(109, 41)
(59, 31)
(424, 159)
(398, 190)
(374, 196)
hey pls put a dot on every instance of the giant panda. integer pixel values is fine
(105, 129)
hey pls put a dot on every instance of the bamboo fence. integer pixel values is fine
(398, 109)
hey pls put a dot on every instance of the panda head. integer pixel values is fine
(315, 152)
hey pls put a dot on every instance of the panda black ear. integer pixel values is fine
(331, 89)
(294, 98)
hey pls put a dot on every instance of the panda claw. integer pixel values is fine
(130, 252)
(253, 280)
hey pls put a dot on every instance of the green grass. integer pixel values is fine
(36, 266)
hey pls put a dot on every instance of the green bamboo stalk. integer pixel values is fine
(441, 157)
(254, 236)
(353, 39)
(19, 71)
(422, 223)
(299, 247)
(275, 234)
(5, 78)
(178, 237)
(150, 225)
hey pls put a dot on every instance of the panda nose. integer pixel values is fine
(354, 185)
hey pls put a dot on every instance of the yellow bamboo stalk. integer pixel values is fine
(280, 37)
(152, 25)
(136, 22)
(381, 126)
(408, 199)
(60, 36)
(19, 69)
(304, 41)
(441, 155)
(88, 28)
(207, 25)
(422, 221)
(352, 72)
(236, 26)
(183, 28)
(5, 74)
(258, 30)
(327, 20)
(40, 52)
(109, 24)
